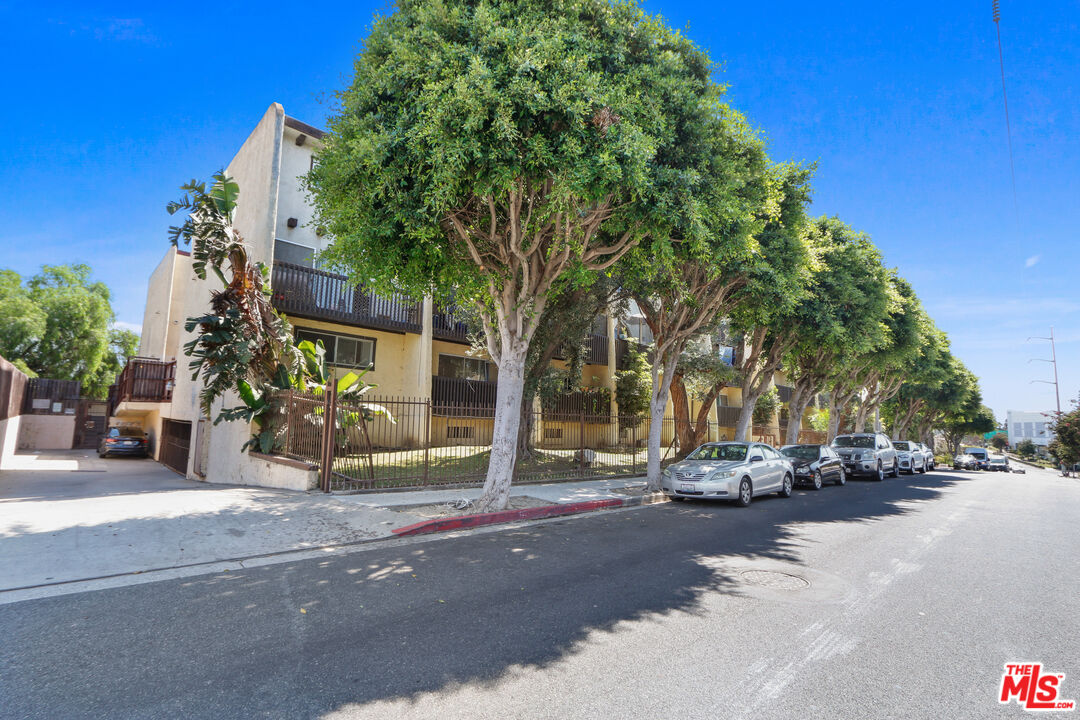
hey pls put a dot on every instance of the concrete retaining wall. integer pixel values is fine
(46, 432)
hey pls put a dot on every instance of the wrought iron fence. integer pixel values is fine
(411, 443)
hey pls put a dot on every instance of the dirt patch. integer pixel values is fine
(633, 490)
(465, 507)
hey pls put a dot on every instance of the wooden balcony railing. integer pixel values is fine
(459, 397)
(145, 380)
(447, 323)
(320, 295)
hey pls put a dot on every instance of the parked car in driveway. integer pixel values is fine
(815, 464)
(736, 471)
(963, 461)
(124, 441)
(999, 464)
(869, 454)
(911, 456)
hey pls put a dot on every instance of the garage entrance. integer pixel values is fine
(175, 444)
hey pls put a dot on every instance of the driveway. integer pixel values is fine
(69, 515)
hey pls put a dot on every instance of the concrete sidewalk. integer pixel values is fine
(69, 516)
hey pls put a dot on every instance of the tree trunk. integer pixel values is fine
(836, 411)
(525, 429)
(745, 422)
(660, 389)
(861, 415)
(680, 409)
(800, 400)
(504, 436)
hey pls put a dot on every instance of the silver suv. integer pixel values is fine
(869, 454)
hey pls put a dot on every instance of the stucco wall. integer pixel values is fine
(46, 432)
(226, 464)
(159, 293)
(291, 196)
(397, 365)
(9, 438)
(255, 168)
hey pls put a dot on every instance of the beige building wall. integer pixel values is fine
(46, 432)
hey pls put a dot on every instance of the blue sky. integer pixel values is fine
(109, 108)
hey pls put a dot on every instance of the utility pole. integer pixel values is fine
(1052, 361)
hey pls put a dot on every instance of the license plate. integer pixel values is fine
(687, 487)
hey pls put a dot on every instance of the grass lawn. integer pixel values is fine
(467, 464)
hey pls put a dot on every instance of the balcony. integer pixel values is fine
(319, 295)
(457, 397)
(592, 404)
(447, 323)
(728, 415)
(596, 350)
(143, 380)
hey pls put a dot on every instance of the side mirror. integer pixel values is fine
(756, 458)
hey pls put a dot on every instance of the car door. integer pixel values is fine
(829, 464)
(759, 469)
(777, 465)
(886, 452)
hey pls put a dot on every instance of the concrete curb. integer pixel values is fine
(507, 516)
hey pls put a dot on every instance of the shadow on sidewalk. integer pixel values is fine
(402, 621)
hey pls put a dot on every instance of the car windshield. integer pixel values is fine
(851, 441)
(125, 432)
(719, 452)
(901, 446)
(802, 452)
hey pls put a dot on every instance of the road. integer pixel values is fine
(902, 599)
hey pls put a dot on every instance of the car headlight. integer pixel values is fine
(724, 474)
(666, 473)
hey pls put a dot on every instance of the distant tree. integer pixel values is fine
(999, 442)
(1065, 447)
(765, 406)
(1025, 449)
(974, 419)
(699, 375)
(123, 345)
(633, 386)
(56, 324)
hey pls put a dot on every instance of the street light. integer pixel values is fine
(1052, 361)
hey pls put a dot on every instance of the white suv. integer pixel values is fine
(869, 454)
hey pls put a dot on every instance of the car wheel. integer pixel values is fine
(880, 472)
(817, 480)
(843, 477)
(895, 469)
(922, 470)
(785, 489)
(746, 493)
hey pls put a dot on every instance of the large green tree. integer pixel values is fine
(123, 345)
(1065, 446)
(507, 150)
(842, 315)
(56, 323)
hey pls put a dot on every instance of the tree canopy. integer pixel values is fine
(56, 324)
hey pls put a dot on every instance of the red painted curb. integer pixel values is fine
(503, 516)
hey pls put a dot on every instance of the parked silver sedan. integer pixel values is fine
(736, 471)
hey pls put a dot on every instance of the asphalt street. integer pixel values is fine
(901, 599)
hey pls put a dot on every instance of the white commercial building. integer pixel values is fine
(1034, 426)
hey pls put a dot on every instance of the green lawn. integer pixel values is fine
(467, 464)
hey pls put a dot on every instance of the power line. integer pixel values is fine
(1005, 95)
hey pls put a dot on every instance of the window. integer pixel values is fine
(343, 350)
(294, 253)
(464, 368)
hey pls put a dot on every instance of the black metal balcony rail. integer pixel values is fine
(588, 402)
(474, 397)
(597, 349)
(448, 323)
(319, 295)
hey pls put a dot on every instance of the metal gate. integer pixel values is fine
(91, 422)
(175, 444)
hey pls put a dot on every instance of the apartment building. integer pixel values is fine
(413, 349)
(1028, 425)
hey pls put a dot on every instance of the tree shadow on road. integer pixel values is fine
(306, 638)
